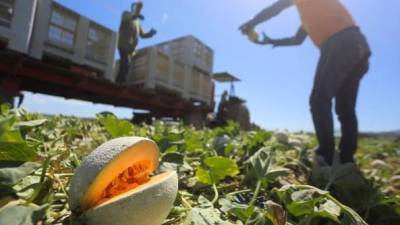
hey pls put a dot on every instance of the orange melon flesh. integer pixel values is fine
(127, 171)
(153, 180)
(132, 177)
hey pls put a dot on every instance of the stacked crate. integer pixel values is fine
(182, 66)
(153, 69)
(190, 51)
(16, 23)
(62, 33)
(199, 57)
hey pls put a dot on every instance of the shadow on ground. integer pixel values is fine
(348, 184)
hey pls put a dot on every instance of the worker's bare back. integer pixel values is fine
(323, 18)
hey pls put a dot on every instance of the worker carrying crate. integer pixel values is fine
(129, 32)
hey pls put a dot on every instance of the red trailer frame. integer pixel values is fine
(19, 72)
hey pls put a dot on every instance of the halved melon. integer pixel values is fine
(113, 185)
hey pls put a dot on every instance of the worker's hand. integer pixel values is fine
(247, 27)
(265, 41)
(134, 17)
(152, 32)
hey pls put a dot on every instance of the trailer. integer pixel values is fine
(20, 72)
(50, 49)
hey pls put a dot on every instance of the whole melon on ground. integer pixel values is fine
(113, 185)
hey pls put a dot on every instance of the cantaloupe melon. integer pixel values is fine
(113, 185)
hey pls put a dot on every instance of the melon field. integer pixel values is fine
(226, 176)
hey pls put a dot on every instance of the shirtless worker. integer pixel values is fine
(344, 59)
(129, 32)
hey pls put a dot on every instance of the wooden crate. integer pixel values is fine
(16, 23)
(62, 33)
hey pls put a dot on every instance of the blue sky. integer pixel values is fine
(276, 82)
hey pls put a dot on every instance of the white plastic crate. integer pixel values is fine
(16, 23)
(62, 33)
(153, 69)
(206, 88)
(195, 84)
(190, 51)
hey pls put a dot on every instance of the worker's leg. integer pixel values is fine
(123, 66)
(339, 56)
(345, 108)
(321, 110)
(356, 55)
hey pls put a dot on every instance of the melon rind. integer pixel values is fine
(147, 206)
(96, 161)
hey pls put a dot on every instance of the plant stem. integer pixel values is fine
(58, 180)
(256, 192)
(186, 203)
(216, 195)
(61, 175)
(306, 220)
(238, 192)
(44, 169)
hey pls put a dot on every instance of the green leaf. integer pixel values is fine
(303, 195)
(258, 218)
(12, 146)
(193, 143)
(30, 124)
(217, 169)
(7, 132)
(300, 201)
(275, 173)
(16, 152)
(22, 215)
(5, 108)
(329, 210)
(171, 149)
(28, 187)
(220, 167)
(11, 176)
(174, 136)
(301, 208)
(115, 127)
(204, 214)
(260, 162)
(241, 211)
(203, 176)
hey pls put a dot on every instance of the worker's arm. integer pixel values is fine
(141, 17)
(297, 39)
(266, 14)
(149, 34)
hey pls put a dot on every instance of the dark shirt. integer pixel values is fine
(129, 31)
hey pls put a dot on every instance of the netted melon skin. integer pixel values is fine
(94, 163)
(149, 206)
